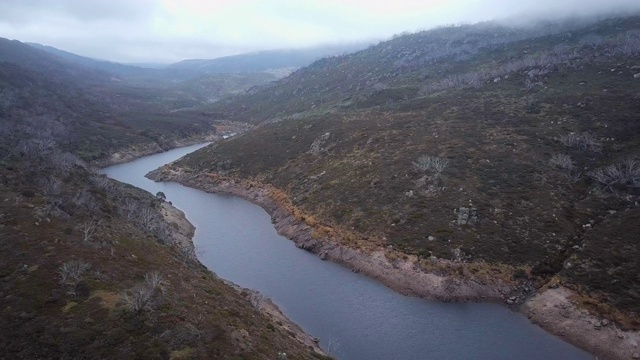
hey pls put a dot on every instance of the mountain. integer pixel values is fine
(15, 52)
(106, 66)
(478, 151)
(263, 60)
(259, 62)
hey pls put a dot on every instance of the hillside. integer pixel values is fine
(490, 146)
(92, 268)
(413, 65)
(84, 112)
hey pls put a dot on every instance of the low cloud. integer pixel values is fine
(171, 30)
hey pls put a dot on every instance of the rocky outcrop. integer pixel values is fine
(554, 311)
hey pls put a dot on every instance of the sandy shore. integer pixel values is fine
(552, 310)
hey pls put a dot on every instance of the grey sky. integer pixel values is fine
(172, 30)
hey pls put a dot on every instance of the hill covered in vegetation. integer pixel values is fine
(515, 148)
(84, 111)
(92, 268)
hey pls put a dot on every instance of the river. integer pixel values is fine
(355, 317)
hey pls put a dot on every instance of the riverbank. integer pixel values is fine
(401, 273)
(182, 232)
(445, 280)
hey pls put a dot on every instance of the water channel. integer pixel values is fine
(236, 240)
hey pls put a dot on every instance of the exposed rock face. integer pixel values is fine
(467, 216)
(554, 311)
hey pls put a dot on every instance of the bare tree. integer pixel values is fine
(187, 254)
(85, 200)
(333, 347)
(155, 281)
(582, 141)
(427, 163)
(257, 300)
(128, 208)
(147, 218)
(65, 161)
(71, 271)
(137, 300)
(89, 229)
(140, 297)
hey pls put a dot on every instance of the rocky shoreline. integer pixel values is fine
(552, 309)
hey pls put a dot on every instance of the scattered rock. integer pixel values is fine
(431, 238)
(467, 216)
(635, 355)
(636, 76)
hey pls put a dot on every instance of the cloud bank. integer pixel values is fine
(172, 30)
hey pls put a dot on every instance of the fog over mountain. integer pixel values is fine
(171, 30)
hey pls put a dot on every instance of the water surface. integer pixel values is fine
(237, 241)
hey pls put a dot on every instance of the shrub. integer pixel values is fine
(562, 161)
(427, 163)
(626, 173)
(71, 271)
(583, 141)
(139, 299)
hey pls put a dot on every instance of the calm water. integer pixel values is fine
(236, 240)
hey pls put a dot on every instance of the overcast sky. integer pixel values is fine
(172, 30)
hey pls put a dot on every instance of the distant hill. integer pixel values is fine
(190, 69)
(413, 65)
(107, 66)
(28, 57)
(264, 60)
